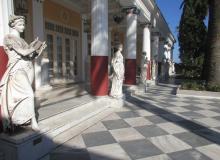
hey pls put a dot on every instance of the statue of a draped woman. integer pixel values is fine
(118, 73)
(16, 93)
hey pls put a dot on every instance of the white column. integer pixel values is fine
(131, 46)
(99, 28)
(99, 55)
(131, 35)
(147, 41)
(147, 48)
(6, 9)
(38, 31)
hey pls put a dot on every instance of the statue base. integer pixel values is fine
(25, 145)
(117, 102)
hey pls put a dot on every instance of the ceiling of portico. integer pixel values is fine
(114, 8)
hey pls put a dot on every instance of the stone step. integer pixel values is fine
(55, 130)
(56, 94)
(54, 108)
(57, 124)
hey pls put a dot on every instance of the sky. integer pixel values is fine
(172, 13)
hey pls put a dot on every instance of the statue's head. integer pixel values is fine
(119, 47)
(17, 22)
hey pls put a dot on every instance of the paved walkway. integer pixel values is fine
(152, 126)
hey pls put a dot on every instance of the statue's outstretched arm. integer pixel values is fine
(24, 52)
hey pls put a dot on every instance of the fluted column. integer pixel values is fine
(147, 47)
(99, 55)
(38, 31)
(131, 48)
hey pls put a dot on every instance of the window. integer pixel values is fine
(59, 57)
(50, 54)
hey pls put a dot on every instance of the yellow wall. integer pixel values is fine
(61, 14)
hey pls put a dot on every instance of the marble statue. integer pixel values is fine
(154, 68)
(117, 76)
(144, 68)
(166, 61)
(167, 50)
(16, 93)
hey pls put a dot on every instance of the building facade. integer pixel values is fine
(81, 36)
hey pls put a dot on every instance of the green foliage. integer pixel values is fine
(193, 85)
(192, 36)
(212, 87)
(199, 85)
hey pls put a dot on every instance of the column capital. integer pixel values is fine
(146, 25)
(131, 10)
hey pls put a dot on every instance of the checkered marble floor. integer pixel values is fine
(152, 126)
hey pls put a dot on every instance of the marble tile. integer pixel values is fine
(212, 151)
(169, 143)
(76, 143)
(70, 155)
(178, 104)
(112, 116)
(209, 122)
(139, 121)
(188, 155)
(115, 124)
(208, 113)
(138, 149)
(126, 134)
(127, 114)
(108, 152)
(151, 131)
(98, 138)
(193, 115)
(205, 106)
(178, 109)
(190, 125)
(193, 139)
(96, 128)
(171, 128)
(173, 117)
(192, 108)
(144, 113)
(159, 157)
(156, 119)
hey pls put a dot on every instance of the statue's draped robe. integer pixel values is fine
(16, 93)
(144, 70)
(118, 75)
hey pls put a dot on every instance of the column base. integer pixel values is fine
(99, 75)
(130, 71)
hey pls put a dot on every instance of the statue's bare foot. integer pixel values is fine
(34, 125)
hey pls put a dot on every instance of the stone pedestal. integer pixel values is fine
(27, 145)
(117, 102)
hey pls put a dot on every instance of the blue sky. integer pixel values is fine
(172, 13)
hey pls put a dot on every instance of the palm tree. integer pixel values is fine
(213, 47)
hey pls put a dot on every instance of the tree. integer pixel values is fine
(213, 41)
(192, 35)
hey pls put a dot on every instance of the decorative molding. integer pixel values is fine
(132, 9)
(147, 24)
